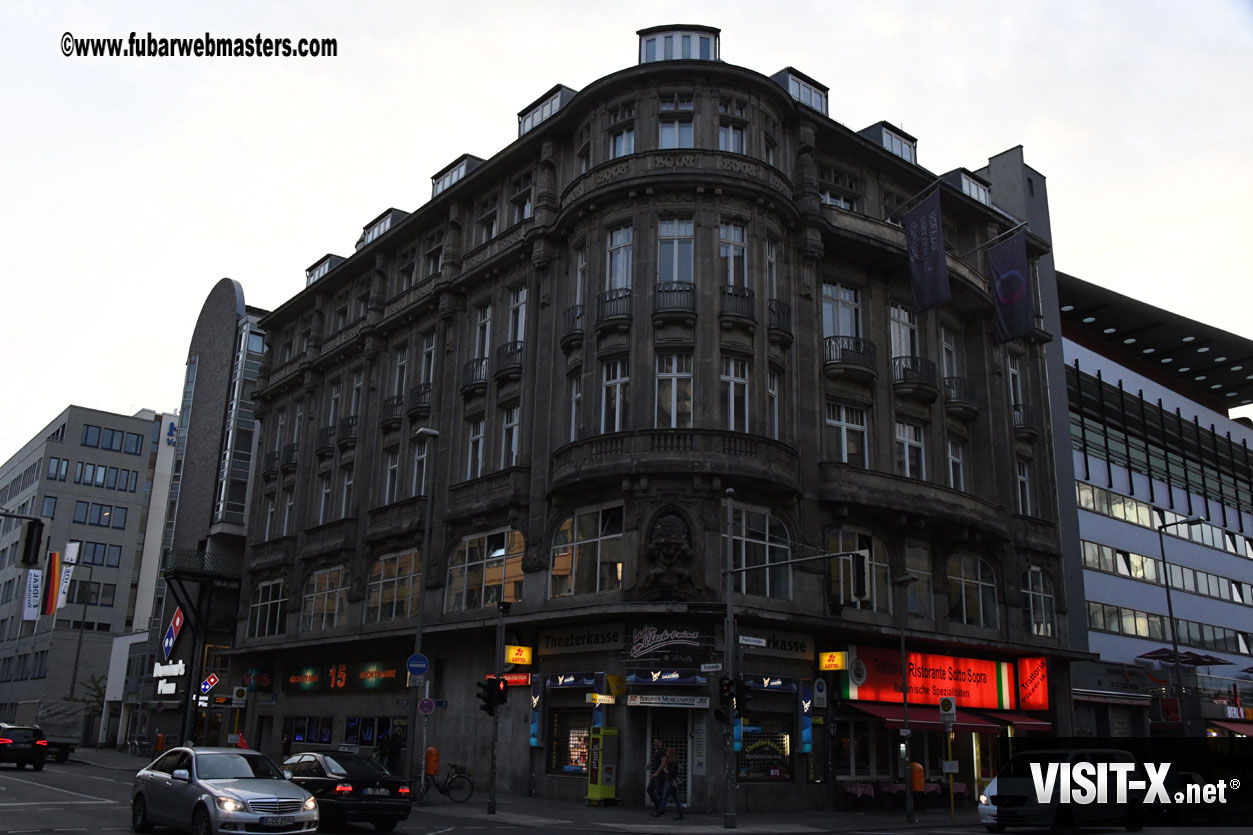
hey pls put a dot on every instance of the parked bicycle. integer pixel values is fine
(456, 784)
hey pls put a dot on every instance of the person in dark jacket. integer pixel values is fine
(655, 782)
(670, 774)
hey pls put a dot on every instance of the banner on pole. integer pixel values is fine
(928, 270)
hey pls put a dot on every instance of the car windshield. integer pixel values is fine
(349, 764)
(20, 734)
(235, 766)
(1019, 766)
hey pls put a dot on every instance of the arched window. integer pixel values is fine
(586, 555)
(1039, 606)
(844, 541)
(971, 591)
(394, 588)
(760, 541)
(484, 569)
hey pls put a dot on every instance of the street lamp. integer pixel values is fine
(902, 605)
(1170, 607)
(428, 482)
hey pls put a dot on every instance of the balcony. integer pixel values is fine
(404, 518)
(418, 406)
(491, 493)
(346, 437)
(509, 359)
(572, 328)
(190, 564)
(269, 464)
(287, 459)
(960, 400)
(1026, 426)
(613, 310)
(326, 441)
(474, 377)
(914, 378)
(780, 329)
(391, 412)
(849, 358)
(737, 308)
(674, 301)
(339, 536)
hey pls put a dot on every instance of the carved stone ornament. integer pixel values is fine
(666, 570)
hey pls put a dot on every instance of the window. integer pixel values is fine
(394, 590)
(487, 221)
(1013, 368)
(134, 444)
(904, 332)
(520, 204)
(900, 146)
(417, 486)
(580, 273)
(325, 600)
(345, 493)
(48, 509)
(614, 395)
(622, 142)
(271, 511)
(956, 457)
(844, 541)
(774, 380)
(111, 439)
(1023, 480)
(971, 591)
(618, 265)
(583, 152)
(510, 417)
(1039, 606)
(849, 442)
(324, 498)
(567, 740)
(289, 510)
(391, 476)
(517, 314)
(841, 311)
(576, 403)
(400, 371)
(91, 435)
(474, 448)
(483, 331)
(772, 268)
(731, 137)
(678, 45)
(428, 357)
(267, 610)
(539, 113)
(675, 129)
(807, 94)
(674, 391)
(732, 255)
(911, 450)
(975, 189)
(674, 251)
(587, 553)
(760, 543)
(332, 405)
(734, 394)
(919, 594)
(435, 254)
(948, 352)
(485, 569)
(404, 278)
(840, 201)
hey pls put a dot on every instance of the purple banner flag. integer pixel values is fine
(924, 238)
(1012, 304)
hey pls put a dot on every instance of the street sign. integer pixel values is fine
(948, 709)
(711, 668)
(417, 664)
(426, 707)
(208, 683)
(751, 641)
(833, 660)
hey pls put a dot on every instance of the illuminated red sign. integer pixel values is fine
(1033, 684)
(875, 675)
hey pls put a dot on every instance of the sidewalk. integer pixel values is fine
(548, 814)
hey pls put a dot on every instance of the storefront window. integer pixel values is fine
(484, 570)
(587, 553)
(767, 752)
(312, 730)
(567, 749)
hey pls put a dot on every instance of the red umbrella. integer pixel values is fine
(1207, 660)
(1247, 670)
(1163, 654)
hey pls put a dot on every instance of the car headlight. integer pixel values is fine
(311, 803)
(230, 804)
(983, 800)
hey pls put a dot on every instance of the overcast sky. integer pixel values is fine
(129, 186)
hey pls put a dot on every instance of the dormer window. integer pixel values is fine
(807, 94)
(975, 189)
(663, 44)
(539, 113)
(446, 179)
(384, 223)
(903, 148)
(317, 272)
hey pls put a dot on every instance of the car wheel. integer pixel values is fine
(200, 823)
(139, 815)
(994, 827)
(21, 766)
(62, 756)
(39, 766)
(384, 826)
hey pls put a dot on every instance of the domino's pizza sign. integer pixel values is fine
(171, 633)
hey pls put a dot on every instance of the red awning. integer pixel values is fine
(927, 718)
(1020, 721)
(1245, 728)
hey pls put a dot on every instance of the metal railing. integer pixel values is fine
(474, 372)
(510, 355)
(674, 297)
(420, 396)
(958, 390)
(614, 304)
(738, 301)
(780, 315)
(572, 321)
(850, 349)
(913, 370)
(348, 428)
(1024, 416)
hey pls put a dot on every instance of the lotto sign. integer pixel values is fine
(517, 655)
(208, 683)
(833, 660)
(171, 633)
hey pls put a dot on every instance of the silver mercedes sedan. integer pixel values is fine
(207, 791)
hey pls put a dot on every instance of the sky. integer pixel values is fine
(130, 186)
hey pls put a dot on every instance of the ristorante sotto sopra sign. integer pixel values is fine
(875, 675)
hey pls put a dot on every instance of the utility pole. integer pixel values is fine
(728, 660)
(499, 670)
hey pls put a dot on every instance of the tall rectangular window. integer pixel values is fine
(1014, 375)
(674, 391)
(289, 511)
(400, 371)
(428, 358)
(324, 498)
(731, 137)
(904, 332)
(674, 251)
(580, 273)
(510, 417)
(772, 268)
(622, 142)
(734, 394)
(732, 255)
(948, 352)
(956, 463)
(483, 331)
(358, 386)
(332, 405)
(675, 132)
(474, 449)
(911, 451)
(614, 395)
(1023, 479)
(773, 407)
(417, 485)
(841, 311)
(849, 424)
(517, 314)
(270, 513)
(345, 493)
(576, 404)
(391, 476)
(618, 265)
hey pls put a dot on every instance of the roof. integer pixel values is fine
(1204, 363)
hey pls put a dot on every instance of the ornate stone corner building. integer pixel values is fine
(684, 278)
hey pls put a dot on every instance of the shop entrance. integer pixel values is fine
(674, 728)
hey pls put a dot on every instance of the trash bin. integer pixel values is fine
(160, 744)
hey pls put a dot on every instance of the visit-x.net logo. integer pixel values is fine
(1088, 782)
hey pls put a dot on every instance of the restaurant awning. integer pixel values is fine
(927, 718)
(1020, 721)
(1106, 697)
(1236, 727)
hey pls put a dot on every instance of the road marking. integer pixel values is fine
(47, 803)
(55, 789)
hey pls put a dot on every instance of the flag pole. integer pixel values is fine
(991, 241)
(899, 211)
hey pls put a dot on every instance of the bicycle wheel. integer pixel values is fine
(459, 788)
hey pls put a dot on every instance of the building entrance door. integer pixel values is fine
(673, 727)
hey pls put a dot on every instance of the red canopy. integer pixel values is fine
(927, 718)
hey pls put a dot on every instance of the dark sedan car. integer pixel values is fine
(24, 745)
(351, 788)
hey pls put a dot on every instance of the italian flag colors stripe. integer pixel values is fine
(1004, 686)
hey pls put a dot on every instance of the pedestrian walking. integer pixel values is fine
(655, 782)
(670, 775)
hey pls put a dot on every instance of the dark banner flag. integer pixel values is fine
(924, 237)
(1012, 305)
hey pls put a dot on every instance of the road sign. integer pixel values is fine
(715, 667)
(948, 709)
(441, 703)
(417, 664)
(750, 641)
(426, 707)
(208, 683)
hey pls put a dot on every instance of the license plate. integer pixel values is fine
(278, 820)
(377, 791)
(22, 745)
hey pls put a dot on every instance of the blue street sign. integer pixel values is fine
(417, 664)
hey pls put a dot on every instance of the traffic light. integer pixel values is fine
(32, 541)
(726, 693)
(487, 695)
(861, 576)
(743, 695)
(500, 690)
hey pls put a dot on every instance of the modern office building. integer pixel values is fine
(90, 475)
(1164, 489)
(682, 280)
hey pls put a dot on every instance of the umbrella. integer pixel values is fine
(1163, 654)
(1207, 660)
(1247, 670)
(1191, 659)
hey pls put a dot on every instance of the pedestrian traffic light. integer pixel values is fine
(500, 690)
(487, 695)
(32, 541)
(743, 695)
(861, 576)
(726, 691)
